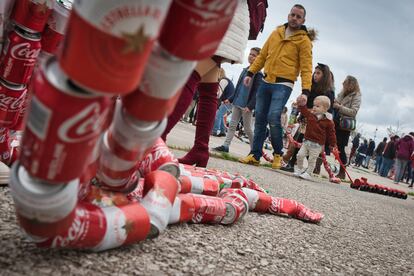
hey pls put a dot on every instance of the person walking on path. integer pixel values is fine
(226, 92)
(405, 148)
(378, 154)
(205, 79)
(361, 153)
(319, 130)
(388, 156)
(370, 153)
(286, 54)
(347, 103)
(244, 101)
(355, 146)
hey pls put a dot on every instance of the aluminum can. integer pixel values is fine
(236, 205)
(12, 98)
(43, 210)
(5, 147)
(86, 231)
(197, 209)
(199, 185)
(108, 42)
(32, 15)
(20, 53)
(155, 99)
(63, 126)
(130, 139)
(194, 29)
(159, 158)
(160, 191)
(55, 29)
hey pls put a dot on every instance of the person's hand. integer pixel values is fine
(336, 104)
(301, 100)
(247, 80)
(246, 109)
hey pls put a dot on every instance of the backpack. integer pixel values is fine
(257, 13)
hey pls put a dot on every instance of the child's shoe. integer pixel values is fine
(250, 160)
(277, 161)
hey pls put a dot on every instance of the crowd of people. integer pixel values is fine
(325, 121)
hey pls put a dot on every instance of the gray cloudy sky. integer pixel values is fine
(371, 40)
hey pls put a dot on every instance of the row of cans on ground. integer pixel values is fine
(363, 185)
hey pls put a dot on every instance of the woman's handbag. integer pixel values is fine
(347, 123)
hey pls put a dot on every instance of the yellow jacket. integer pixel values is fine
(283, 58)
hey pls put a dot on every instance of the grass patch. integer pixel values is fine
(410, 193)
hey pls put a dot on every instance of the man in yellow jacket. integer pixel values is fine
(286, 53)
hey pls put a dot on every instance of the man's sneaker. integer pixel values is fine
(221, 148)
(305, 176)
(277, 161)
(249, 159)
(287, 168)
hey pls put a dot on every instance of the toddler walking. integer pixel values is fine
(319, 129)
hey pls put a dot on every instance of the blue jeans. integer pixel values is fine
(219, 122)
(386, 166)
(378, 161)
(270, 100)
(400, 165)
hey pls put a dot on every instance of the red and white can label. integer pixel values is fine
(125, 225)
(62, 129)
(108, 42)
(11, 104)
(32, 14)
(194, 29)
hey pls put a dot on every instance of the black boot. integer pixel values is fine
(341, 174)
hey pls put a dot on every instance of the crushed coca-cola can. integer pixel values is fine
(32, 15)
(43, 210)
(55, 29)
(5, 147)
(12, 98)
(160, 190)
(130, 139)
(236, 205)
(159, 158)
(154, 99)
(63, 126)
(108, 42)
(194, 29)
(20, 52)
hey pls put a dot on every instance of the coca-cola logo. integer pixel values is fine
(23, 51)
(211, 9)
(275, 206)
(84, 125)
(11, 104)
(197, 218)
(75, 231)
(158, 152)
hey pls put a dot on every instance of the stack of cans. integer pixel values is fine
(24, 36)
(75, 129)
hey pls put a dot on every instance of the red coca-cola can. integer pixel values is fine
(86, 231)
(108, 42)
(12, 98)
(5, 147)
(236, 205)
(154, 99)
(43, 210)
(32, 15)
(194, 29)
(160, 190)
(20, 53)
(199, 185)
(21, 117)
(55, 29)
(63, 126)
(159, 158)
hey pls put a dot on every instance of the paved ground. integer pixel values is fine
(362, 233)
